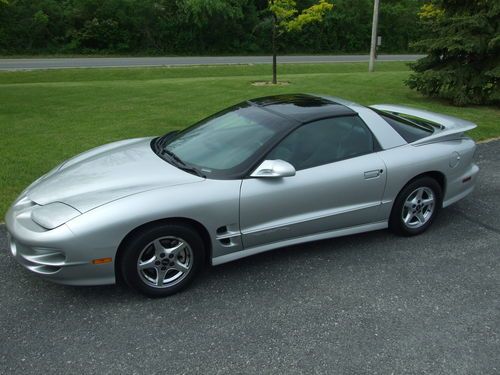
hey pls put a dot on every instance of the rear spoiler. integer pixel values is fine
(451, 127)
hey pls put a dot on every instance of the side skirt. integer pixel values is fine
(294, 241)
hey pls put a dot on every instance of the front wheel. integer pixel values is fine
(162, 260)
(416, 207)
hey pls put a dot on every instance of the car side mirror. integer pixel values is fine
(274, 168)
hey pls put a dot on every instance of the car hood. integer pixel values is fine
(107, 173)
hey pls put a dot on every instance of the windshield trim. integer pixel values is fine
(281, 124)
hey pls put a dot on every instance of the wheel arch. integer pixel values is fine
(196, 225)
(438, 176)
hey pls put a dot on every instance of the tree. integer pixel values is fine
(463, 55)
(217, 23)
(152, 27)
(285, 18)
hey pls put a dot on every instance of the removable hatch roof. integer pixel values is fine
(303, 107)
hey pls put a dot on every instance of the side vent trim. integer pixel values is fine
(228, 235)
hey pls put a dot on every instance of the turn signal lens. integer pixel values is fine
(102, 260)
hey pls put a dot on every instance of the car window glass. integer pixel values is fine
(228, 141)
(411, 130)
(324, 141)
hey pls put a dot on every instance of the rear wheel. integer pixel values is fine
(162, 260)
(416, 206)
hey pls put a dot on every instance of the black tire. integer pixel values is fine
(396, 222)
(143, 245)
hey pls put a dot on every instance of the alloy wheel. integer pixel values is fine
(165, 262)
(418, 207)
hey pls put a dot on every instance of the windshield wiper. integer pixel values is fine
(192, 170)
(173, 156)
(160, 141)
(180, 164)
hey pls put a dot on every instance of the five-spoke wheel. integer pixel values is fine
(162, 259)
(165, 261)
(416, 206)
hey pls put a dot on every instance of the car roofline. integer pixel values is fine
(338, 109)
(298, 121)
(282, 115)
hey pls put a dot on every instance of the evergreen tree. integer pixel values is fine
(463, 54)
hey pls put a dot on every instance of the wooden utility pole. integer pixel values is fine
(373, 48)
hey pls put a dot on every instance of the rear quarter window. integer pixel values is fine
(411, 131)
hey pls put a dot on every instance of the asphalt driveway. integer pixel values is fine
(372, 303)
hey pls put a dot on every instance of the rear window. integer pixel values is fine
(411, 130)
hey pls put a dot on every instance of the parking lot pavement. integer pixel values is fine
(372, 303)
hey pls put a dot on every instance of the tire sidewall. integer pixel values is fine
(396, 222)
(128, 261)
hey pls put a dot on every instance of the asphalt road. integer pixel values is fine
(364, 304)
(122, 62)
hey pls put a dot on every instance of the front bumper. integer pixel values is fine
(57, 255)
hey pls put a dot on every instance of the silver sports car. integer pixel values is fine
(263, 174)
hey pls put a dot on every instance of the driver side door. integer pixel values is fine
(339, 183)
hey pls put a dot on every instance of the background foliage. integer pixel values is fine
(463, 52)
(195, 27)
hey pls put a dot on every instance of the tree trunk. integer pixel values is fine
(274, 51)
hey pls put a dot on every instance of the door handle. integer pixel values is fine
(373, 174)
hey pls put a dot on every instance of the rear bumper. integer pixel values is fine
(461, 186)
(56, 254)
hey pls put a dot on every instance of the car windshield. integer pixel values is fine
(227, 143)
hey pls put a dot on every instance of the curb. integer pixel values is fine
(488, 140)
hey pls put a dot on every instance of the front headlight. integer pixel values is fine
(53, 215)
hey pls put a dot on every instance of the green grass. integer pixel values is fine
(48, 116)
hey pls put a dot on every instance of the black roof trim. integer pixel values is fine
(302, 107)
(270, 110)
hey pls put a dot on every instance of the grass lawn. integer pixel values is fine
(48, 116)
